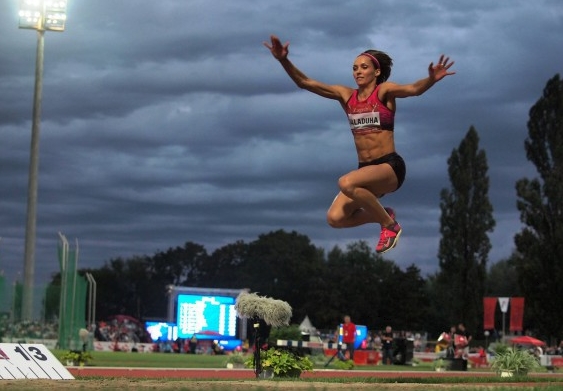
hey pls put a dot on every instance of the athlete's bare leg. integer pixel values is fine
(358, 203)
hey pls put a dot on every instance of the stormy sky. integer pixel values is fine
(168, 121)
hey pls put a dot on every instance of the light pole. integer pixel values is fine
(40, 15)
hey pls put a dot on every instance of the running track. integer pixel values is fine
(156, 373)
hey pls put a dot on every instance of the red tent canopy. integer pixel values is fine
(525, 340)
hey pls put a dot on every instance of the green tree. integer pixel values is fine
(283, 265)
(502, 279)
(352, 279)
(110, 292)
(146, 293)
(279, 264)
(223, 268)
(540, 202)
(466, 218)
(117, 287)
(179, 265)
(436, 320)
(409, 303)
(374, 291)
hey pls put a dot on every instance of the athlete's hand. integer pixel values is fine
(440, 70)
(278, 50)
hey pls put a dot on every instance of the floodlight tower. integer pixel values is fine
(39, 15)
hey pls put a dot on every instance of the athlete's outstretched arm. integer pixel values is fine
(435, 74)
(280, 52)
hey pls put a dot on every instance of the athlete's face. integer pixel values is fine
(364, 71)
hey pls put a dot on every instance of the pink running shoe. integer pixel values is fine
(388, 238)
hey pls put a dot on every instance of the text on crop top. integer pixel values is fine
(370, 115)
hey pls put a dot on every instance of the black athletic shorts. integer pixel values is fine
(395, 161)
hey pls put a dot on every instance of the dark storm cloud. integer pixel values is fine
(166, 122)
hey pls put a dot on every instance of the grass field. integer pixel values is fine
(153, 360)
(172, 360)
(468, 382)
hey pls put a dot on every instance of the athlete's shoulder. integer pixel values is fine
(384, 89)
(386, 86)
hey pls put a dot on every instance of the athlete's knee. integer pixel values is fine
(346, 185)
(334, 218)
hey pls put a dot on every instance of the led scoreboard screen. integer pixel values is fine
(161, 331)
(208, 317)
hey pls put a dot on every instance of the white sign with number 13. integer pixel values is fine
(30, 361)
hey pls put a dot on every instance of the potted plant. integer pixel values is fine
(281, 363)
(440, 365)
(76, 358)
(235, 360)
(345, 365)
(514, 362)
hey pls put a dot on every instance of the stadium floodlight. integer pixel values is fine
(40, 15)
(45, 15)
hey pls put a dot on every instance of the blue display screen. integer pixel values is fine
(161, 331)
(209, 317)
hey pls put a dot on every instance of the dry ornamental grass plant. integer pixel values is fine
(274, 312)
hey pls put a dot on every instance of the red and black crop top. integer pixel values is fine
(369, 115)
